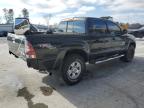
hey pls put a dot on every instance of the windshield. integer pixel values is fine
(21, 23)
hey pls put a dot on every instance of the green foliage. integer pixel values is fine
(25, 13)
(8, 15)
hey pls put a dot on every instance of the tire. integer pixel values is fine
(73, 69)
(129, 55)
(5, 34)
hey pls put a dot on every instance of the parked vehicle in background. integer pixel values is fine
(3, 34)
(138, 33)
(6, 28)
(124, 27)
(76, 41)
(41, 28)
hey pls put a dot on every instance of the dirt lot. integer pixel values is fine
(112, 84)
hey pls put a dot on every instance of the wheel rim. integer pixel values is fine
(74, 70)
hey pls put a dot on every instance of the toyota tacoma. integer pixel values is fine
(74, 43)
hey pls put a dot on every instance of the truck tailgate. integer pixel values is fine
(16, 44)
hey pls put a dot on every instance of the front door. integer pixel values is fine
(116, 38)
(98, 38)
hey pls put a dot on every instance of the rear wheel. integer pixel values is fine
(73, 69)
(129, 55)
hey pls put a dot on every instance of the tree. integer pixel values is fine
(25, 13)
(0, 20)
(8, 15)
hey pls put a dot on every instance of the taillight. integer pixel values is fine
(29, 50)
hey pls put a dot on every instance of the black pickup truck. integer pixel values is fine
(66, 51)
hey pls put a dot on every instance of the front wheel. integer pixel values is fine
(73, 69)
(129, 55)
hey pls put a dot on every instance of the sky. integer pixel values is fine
(131, 11)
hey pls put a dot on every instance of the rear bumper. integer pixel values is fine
(41, 65)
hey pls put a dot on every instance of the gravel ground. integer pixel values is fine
(113, 84)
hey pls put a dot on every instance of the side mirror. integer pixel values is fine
(124, 31)
(22, 25)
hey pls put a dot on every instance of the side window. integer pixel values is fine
(70, 27)
(76, 26)
(79, 26)
(62, 26)
(97, 26)
(113, 28)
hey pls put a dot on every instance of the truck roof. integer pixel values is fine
(74, 18)
(81, 18)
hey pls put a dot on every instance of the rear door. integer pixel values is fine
(99, 42)
(116, 38)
